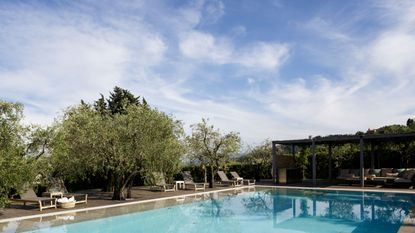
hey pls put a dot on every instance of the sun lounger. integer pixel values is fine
(385, 175)
(345, 174)
(407, 177)
(57, 185)
(236, 176)
(351, 176)
(225, 180)
(189, 183)
(392, 177)
(29, 196)
(160, 183)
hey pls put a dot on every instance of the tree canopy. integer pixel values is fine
(15, 167)
(119, 145)
(211, 148)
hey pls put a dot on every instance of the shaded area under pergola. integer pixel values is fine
(336, 140)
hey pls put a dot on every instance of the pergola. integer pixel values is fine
(335, 140)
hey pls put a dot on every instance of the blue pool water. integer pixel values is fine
(264, 210)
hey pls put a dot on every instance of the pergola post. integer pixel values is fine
(313, 151)
(274, 162)
(330, 160)
(362, 173)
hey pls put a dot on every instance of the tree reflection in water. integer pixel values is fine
(390, 214)
(215, 208)
(356, 207)
(304, 208)
(340, 210)
(260, 203)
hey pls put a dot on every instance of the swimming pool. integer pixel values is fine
(262, 210)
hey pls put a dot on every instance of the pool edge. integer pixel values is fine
(116, 205)
(339, 189)
(408, 225)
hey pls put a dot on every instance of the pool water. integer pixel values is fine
(263, 210)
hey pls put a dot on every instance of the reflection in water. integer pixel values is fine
(362, 210)
(214, 208)
(259, 203)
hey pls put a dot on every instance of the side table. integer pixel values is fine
(179, 184)
(53, 194)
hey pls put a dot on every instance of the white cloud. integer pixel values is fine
(394, 52)
(263, 55)
(374, 84)
(52, 59)
(189, 16)
(325, 29)
(213, 11)
(205, 47)
(60, 61)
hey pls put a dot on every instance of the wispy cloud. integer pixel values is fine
(259, 55)
(321, 76)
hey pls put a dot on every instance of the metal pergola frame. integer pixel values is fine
(331, 141)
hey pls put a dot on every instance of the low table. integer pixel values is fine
(53, 194)
(179, 184)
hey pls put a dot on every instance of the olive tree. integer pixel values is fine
(15, 168)
(211, 148)
(121, 145)
(260, 157)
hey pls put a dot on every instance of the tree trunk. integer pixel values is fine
(212, 178)
(257, 172)
(205, 173)
(119, 186)
(128, 182)
(118, 193)
(130, 185)
(109, 186)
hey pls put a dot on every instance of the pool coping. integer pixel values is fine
(405, 228)
(352, 189)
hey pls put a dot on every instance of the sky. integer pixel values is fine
(268, 69)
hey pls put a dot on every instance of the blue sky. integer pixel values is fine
(267, 69)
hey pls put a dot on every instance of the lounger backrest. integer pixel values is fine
(385, 170)
(159, 178)
(344, 172)
(355, 172)
(28, 194)
(408, 174)
(223, 176)
(187, 177)
(57, 184)
(235, 175)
